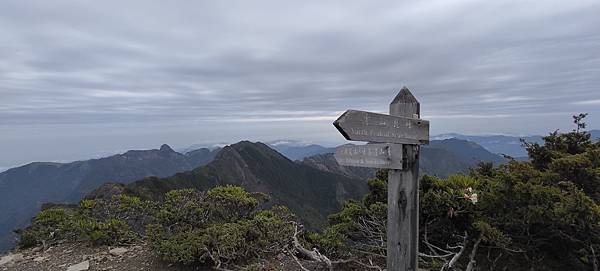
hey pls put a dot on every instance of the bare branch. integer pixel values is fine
(298, 262)
(436, 256)
(594, 259)
(457, 255)
(311, 254)
(473, 254)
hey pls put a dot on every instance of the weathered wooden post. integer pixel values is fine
(403, 195)
(402, 132)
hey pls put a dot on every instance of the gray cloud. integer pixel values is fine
(138, 73)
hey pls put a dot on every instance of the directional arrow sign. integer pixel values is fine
(371, 155)
(366, 126)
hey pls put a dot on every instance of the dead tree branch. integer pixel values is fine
(471, 264)
(313, 255)
(457, 256)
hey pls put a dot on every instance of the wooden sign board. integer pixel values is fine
(366, 126)
(370, 155)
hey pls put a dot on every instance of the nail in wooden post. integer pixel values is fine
(403, 196)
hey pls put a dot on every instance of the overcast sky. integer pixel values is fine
(83, 78)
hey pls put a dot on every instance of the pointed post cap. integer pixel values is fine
(405, 105)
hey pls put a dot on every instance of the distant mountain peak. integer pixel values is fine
(166, 148)
(244, 142)
(244, 146)
(240, 145)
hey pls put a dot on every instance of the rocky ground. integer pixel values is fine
(80, 257)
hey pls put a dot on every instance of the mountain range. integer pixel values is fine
(312, 190)
(503, 144)
(310, 193)
(305, 177)
(24, 189)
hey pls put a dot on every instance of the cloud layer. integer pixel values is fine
(190, 71)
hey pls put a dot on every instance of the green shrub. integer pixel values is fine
(270, 230)
(87, 204)
(49, 224)
(221, 242)
(230, 203)
(127, 202)
(61, 224)
(28, 238)
(184, 208)
(223, 235)
(54, 216)
(221, 226)
(112, 231)
(185, 247)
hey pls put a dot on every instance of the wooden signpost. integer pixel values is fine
(401, 133)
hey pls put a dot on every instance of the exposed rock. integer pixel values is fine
(40, 259)
(118, 251)
(82, 266)
(11, 258)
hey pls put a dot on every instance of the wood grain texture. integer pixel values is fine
(403, 196)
